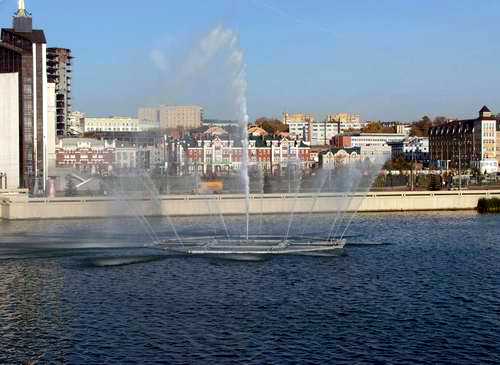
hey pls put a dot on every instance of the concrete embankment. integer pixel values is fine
(19, 206)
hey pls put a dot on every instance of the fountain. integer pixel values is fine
(340, 180)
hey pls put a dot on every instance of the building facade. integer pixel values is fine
(171, 116)
(366, 139)
(299, 125)
(463, 144)
(223, 156)
(84, 154)
(23, 51)
(323, 132)
(412, 148)
(346, 122)
(117, 124)
(338, 157)
(76, 123)
(125, 156)
(59, 68)
(9, 135)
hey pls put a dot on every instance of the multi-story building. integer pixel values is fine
(412, 148)
(346, 122)
(365, 139)
(464, 144)
(84, 154)
(223, 156)
(9, 135)
(125, 156)
(323, 132)
(221, 123)
(299, 125)
(102, 156)
(118, 124)
(59, 73)
(169, 117)
(151, 114)
(23, 52)
(498, 139)
(338, 157)
(75, 123)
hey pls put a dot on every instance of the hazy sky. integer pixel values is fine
(386, 59)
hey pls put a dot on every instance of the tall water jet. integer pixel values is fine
(239, 85)
(220, 46)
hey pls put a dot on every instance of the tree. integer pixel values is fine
(372, 127)
(421, 127)
(70, 189)
(435, 182)
(377, 127)
(398, 164)
(271, 125)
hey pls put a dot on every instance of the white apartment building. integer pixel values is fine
(323, 132)
(364, 139)
(299, 125)
(118, 124)
(9, 136)
(376, 152)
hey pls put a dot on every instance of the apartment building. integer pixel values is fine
(299, 125)
(118, 124)
(466, 143)
(173, 116)
(346, 122)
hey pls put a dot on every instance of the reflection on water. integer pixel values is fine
(410, 288)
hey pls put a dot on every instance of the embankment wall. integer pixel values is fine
(14, 207)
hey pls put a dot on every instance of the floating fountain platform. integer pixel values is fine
(253, 247)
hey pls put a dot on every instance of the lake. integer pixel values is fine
(410, 288)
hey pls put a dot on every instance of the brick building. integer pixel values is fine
(88, 155)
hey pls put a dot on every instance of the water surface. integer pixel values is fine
(411, 288)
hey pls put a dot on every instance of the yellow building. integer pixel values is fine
(344, 118)
(297, 118)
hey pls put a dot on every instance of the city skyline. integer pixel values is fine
(386, 61)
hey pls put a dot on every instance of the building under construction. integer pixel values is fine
(59, 73)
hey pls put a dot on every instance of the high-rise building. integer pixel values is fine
(9, 135)
(23, 51)
(59, 73)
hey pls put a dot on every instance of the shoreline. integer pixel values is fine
(20, 207)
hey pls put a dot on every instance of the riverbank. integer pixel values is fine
(20, 206)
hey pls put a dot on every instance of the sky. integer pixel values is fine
(384, 59)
